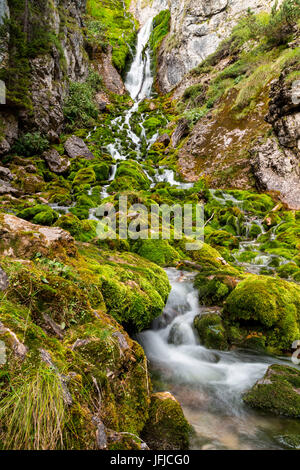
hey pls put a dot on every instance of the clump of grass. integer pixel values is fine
(32, 411)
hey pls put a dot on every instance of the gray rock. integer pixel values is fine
(55, 162)
(164, 139)
(7, 188)
(277, 169)
(6, 174)
(75, 147)
(181, 131)
(4, 283)
(9, 131)
(101, 437)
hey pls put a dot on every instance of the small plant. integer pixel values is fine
(31, 144)
(32, 411)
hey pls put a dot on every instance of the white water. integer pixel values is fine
(208, 383)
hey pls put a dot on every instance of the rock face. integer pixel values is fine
(277, 169)
(276, 161)
(277, 392)
(111, 77)
(75, 147)
(197, 28)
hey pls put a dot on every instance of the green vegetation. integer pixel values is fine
(116, 24)
(161, 27)
(277, 392)
(211, 331)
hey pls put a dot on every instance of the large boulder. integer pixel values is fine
(167, 428)
(75, 147)
(277, 392)
(55, 162)
(211, 331)
(265, 307)
(19, 238)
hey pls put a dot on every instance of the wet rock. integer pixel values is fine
(277, 169)
(164, 139)
(4, 283)
(20, 238)
(277, 392)
(167, 428)
(55, 162)
(211, 331)
(182, 130)
(75, 147)
(125, 441)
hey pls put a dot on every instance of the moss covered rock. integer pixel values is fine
(277, 392)
(157, 251)
(211, 331)
(214, 288)
(167, 428)
(266, 305)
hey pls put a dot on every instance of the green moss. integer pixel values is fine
(211, 331)
(39, 214)
(214, 288)
(85, 176)
(167, 428)
(267, 305)
(157, 251)
(277, 392)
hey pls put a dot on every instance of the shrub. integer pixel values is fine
(31, 144)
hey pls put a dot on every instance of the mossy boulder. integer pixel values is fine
(222, 238)
(167, 428)
(211, 331)
(81, 230)
(39, 214)
(85, 176)
(266, 305)
(157, 251)
(214, 288)
(102, 171)
(277, 392)
(130, 176)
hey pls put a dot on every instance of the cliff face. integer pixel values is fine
(197, 28)
(45, 51)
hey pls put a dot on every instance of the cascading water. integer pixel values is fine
(209, 384)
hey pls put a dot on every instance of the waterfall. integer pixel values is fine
(139, 79)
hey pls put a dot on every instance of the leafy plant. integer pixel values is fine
(31, 144)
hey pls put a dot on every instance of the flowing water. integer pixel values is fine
(209, 384)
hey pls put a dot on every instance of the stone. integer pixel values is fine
(7, 188)
(278, 392)
(166, 428)
(75, 147)
(6, 174)
(111, 77)
(22, 239)
(4, 283)
(164, 139)
(9, 131)
(181, 131)
(277, 169)
(55, 162)
(199, 27)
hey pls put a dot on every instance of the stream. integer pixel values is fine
(209, 384)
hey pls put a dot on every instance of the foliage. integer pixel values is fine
(31, 144)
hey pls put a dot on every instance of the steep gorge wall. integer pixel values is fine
(197, 28)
